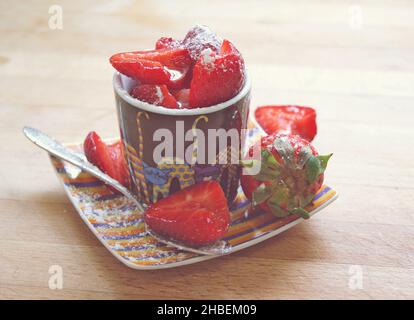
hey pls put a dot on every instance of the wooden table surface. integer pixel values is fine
(351, 60)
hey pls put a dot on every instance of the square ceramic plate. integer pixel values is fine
(117, 223)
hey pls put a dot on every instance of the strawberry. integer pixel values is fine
(109, 158)
(288, 119)
(182, 97)
(168, 66)
(211, 69)
(158, 95)
(216, 77)
(142, 70)
(197, 215)
(291, 173)
(173, 58)
(198, 39)
(165, 42)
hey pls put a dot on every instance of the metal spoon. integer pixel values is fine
(58, 150)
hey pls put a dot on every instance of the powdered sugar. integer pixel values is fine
(208, 58)
(200, 38)
(158, 93)
(104, 211)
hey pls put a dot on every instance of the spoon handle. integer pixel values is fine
(55, 148)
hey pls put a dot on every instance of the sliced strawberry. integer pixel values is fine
(183, 97)
(164, 66)
(197, 215)
(109, 158)
(288, 120)
(228, 48)
(200, 38)
(154, 94)
(196, 40)
(145, 71)
(165, 42)
(216, 77)
(177, 61)
(170, 58)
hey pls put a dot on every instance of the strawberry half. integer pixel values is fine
(109, 158)
(168, 66)
(291, 173)
(216, 77)
(158, 95)
(288, 119)
(197, 215)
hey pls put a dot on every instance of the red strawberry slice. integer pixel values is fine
(288, 120)
(200, 38)
(228, 48)
(174, 58)
(196, 40)
(183, 97)
(216, 77)
(165, 42)
(158, 95)
(109, 158)
(145, 71)
(164, 66)
(197, 215)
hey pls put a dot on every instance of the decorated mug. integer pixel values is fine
(171, 149)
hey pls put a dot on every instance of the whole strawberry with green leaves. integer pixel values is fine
(291, 173)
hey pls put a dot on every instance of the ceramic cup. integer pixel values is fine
(142, 124)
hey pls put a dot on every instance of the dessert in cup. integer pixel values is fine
(176, 106)
(169, 102)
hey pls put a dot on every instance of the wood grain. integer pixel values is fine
(360, 80)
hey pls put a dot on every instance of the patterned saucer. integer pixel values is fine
(115, 221)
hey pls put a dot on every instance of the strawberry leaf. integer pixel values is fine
(313, 169)
(269, 167)
(324, 161)
(277, 210)
(315, 166)
(247, 163)
(301, 212)
(280, 193)
(269, 159)
(261, 194)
